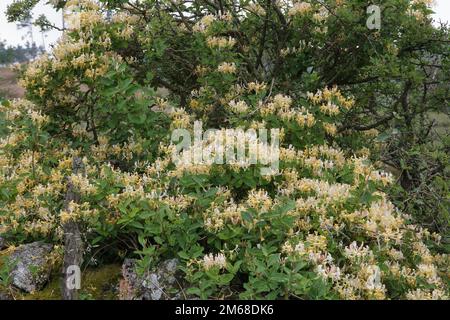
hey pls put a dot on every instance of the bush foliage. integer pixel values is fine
(323, 228)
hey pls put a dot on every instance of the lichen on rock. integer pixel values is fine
(29, 266)
(163, 283)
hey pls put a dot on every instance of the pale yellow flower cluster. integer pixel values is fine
(86, 4)
(322, 14)
(77, 211)
(314, 249)
(144, 188)
(134, 186)
(284, 52)
(216, 217)
(221, 42)
(72, 55)
(214, 261)
(254, 124)
(158, 166)
(67, 47)
(43, 224)
(227, 67)
(178, 203)
(425, 2)
(425, 271)
(34, 70)
(259, 200)
(180, 119)
(328, 95)
(385, 178)
(195, 105)
(362, 168)
(83, 60)
(24, 109)
(204, 23)
(201, 70)
(304, 206)
(102, 148)
(329, 109)
(323, 189)
(128, 193)
(125, 17)
(423, 294)
(358, 253)
(238, 107)
(318, 165)
(330, 128)
(83, 185)
(38, 118)
(188, 167)
(303, 118)
(10, 115)
(126, 32)
(255, 8)
(361, 278)
(82, 14)
(299, 8)
(366, 284)
(128, 150)
(290, 154)
(234, 91)
(130, 180)
(256, 87)
(98, 72)
(280, 104)
(12, 139)
(327, 152)
(382, 221)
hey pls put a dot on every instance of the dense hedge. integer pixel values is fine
(322, 228)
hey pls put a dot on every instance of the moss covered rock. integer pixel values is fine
(163, 283)
(29, 266)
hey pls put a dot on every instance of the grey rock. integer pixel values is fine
(163, 283)
(29, 261)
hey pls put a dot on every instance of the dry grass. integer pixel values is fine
(8, 84)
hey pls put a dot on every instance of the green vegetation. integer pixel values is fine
(348, 101)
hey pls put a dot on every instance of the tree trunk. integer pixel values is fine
(73, 243)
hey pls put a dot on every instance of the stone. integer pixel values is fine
(29, 266)
(163, 283)
(5, 296)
